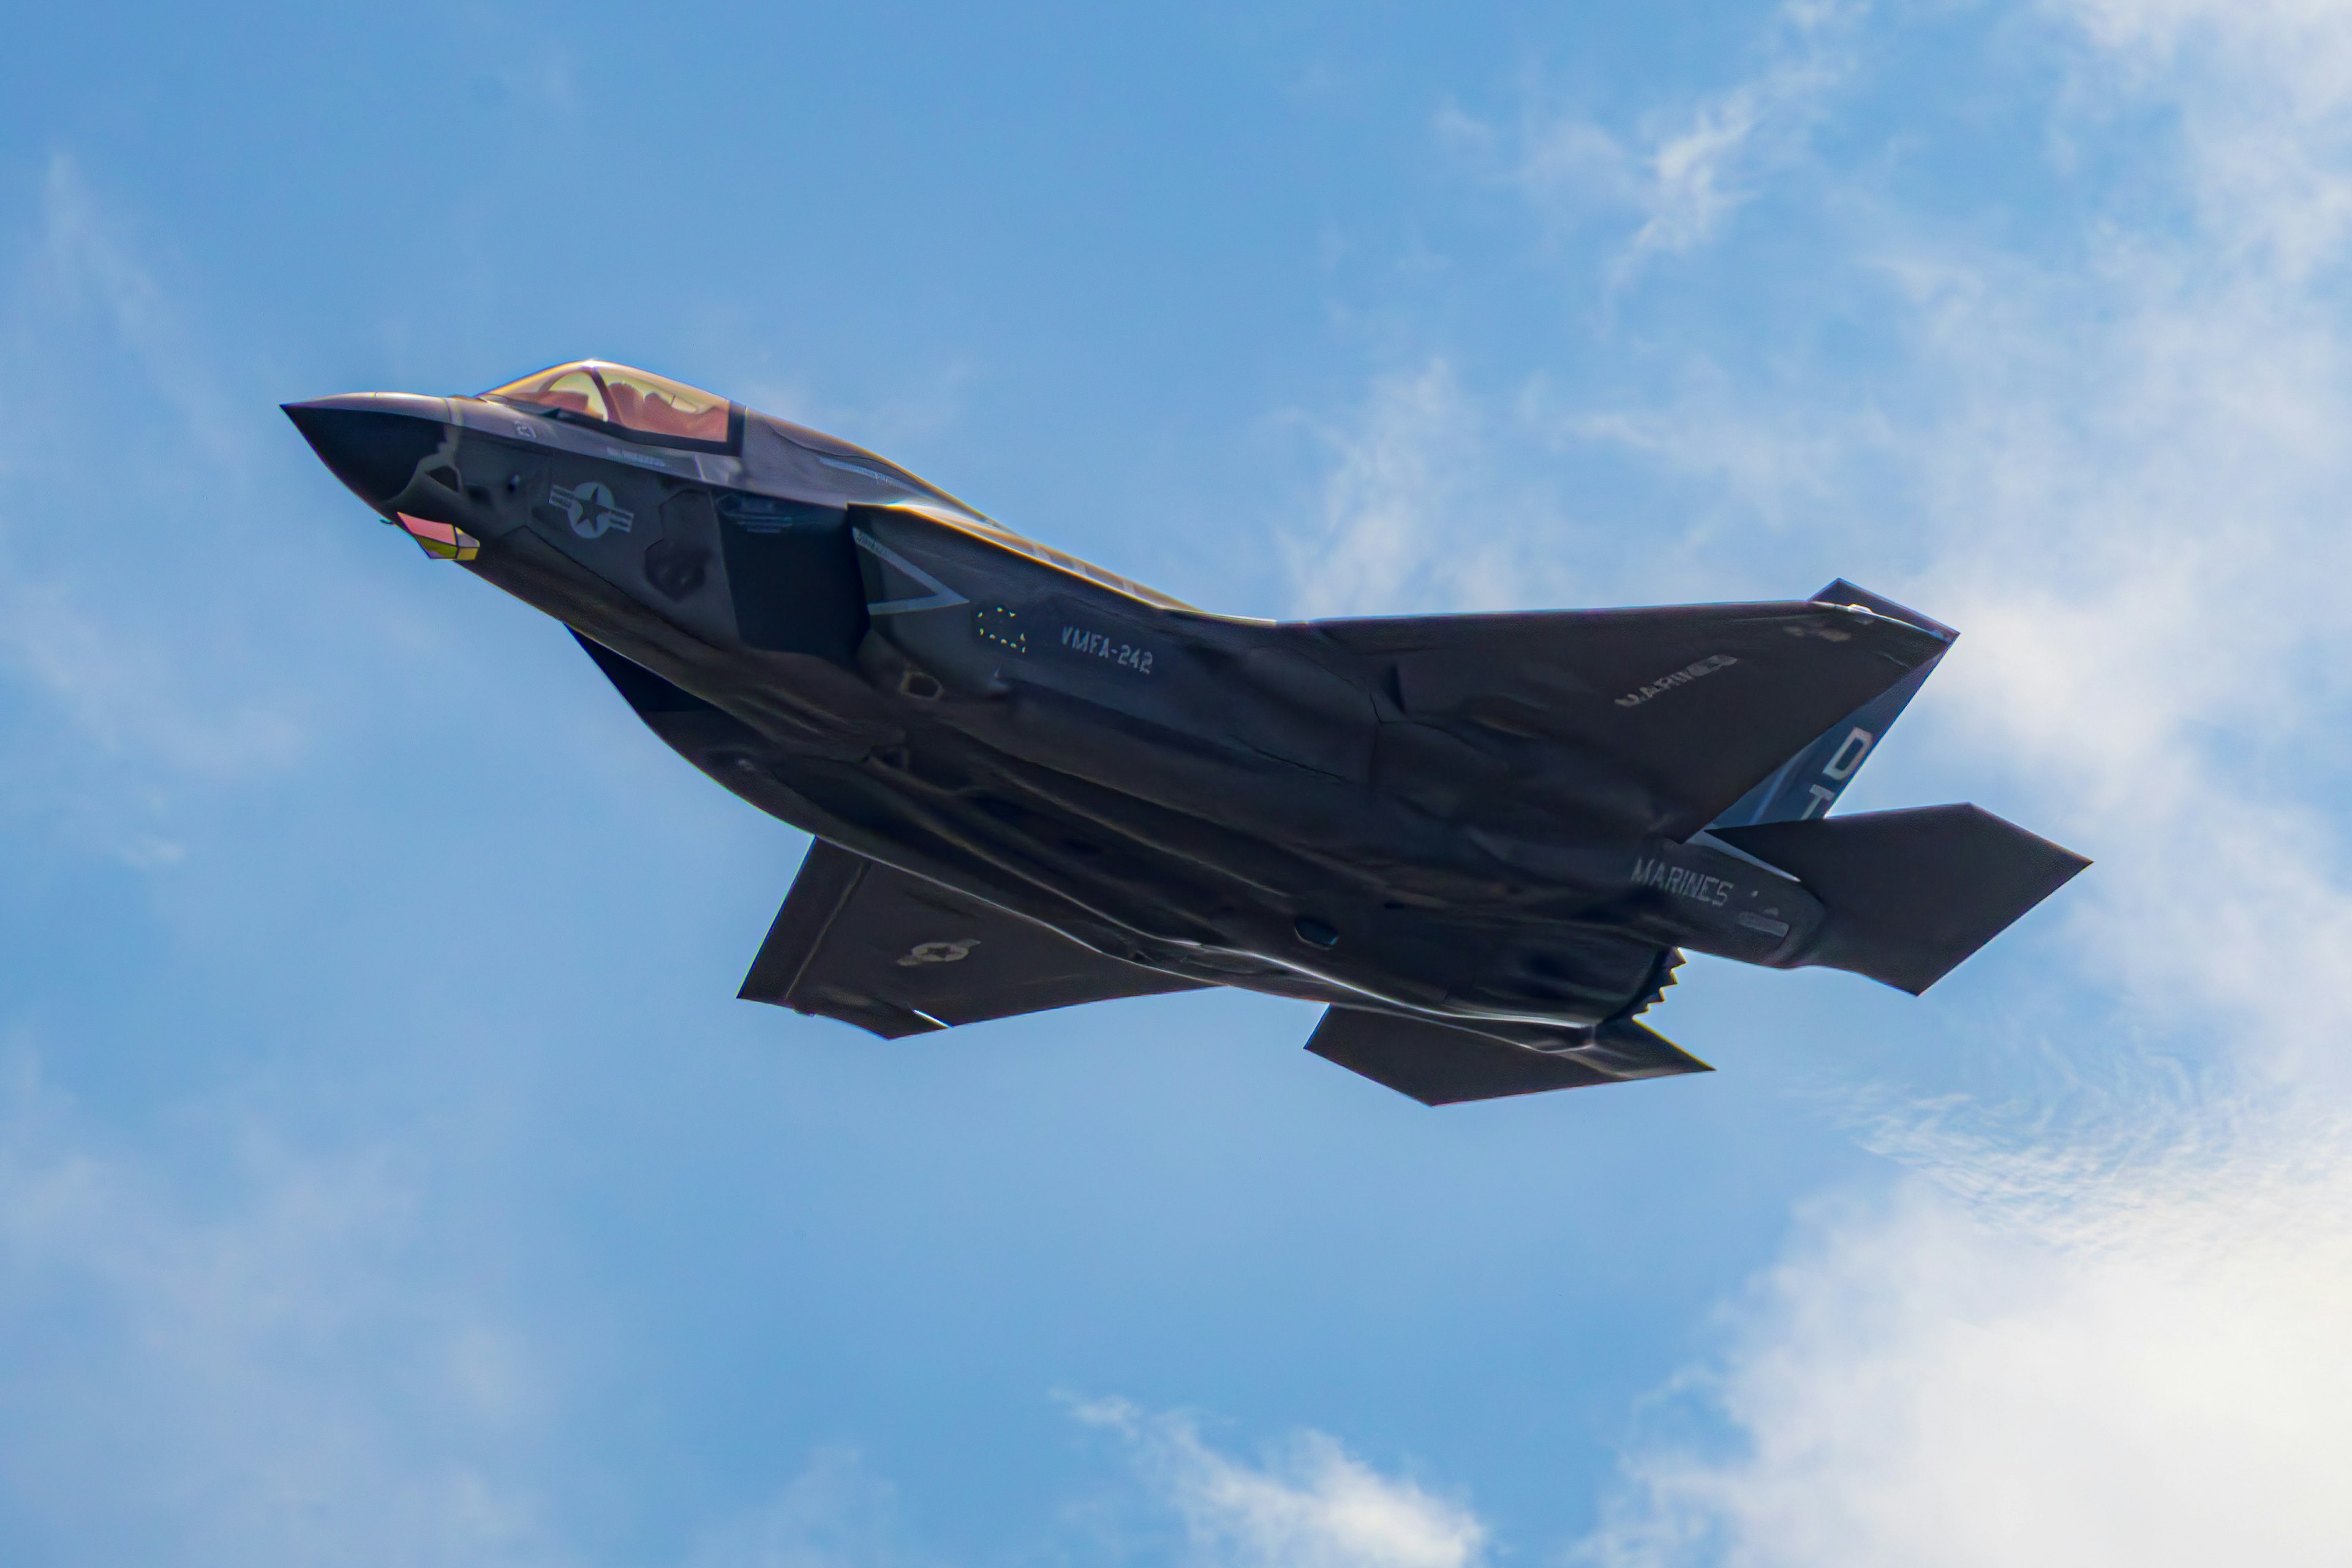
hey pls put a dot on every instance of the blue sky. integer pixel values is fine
(388, 1175)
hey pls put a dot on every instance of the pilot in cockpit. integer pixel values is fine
(635, 400)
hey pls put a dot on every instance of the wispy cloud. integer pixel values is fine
(1400, 467)
(87, 262)
(836, 1513)
(246, 1363)
(121, 688)
(2262, 89)
(1686, 171)
(125, 695)
(1310, 1504)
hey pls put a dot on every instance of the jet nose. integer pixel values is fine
(372, 441)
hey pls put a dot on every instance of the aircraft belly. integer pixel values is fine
(1215, 892)
(956, 820)
(1239, 920)
(1146, 786)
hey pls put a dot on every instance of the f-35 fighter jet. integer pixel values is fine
(1482, 841)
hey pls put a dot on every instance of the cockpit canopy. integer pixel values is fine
(653, 405)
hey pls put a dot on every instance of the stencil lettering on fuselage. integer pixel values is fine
(1699, 889)
(1682, 676)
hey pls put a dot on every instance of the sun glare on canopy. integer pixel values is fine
(632, 399)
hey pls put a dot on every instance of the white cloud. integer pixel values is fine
(1684, 172)
(2262, 89)
(1398, 469)
(1310, 1505)
(1419, 508)
(834, 1514)
(1783, 469)
(2157, 1378)
(2103, 1322)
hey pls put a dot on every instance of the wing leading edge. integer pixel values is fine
(896, 954)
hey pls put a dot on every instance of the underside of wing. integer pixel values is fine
(1697, 703)
(896, 954)
(1445, 1064)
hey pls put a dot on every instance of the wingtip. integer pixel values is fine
(1853, 595)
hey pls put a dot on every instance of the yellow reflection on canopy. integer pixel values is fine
(632, 399)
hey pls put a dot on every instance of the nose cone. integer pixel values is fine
(372, 441)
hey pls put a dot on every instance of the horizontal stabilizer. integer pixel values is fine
(896, 954)
(1442, 1064)
(1699, 702)
(1909, 894)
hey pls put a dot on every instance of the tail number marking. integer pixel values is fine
(1838, 769)
(1099, 645)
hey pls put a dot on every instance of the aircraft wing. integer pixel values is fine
(1698, 702)
(1445, 1064)
(896, 954)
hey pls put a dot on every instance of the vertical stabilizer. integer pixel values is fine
(1808, 784)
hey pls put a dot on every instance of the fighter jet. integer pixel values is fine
(1483, 842)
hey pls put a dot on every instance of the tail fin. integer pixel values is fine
(1808, 784)
(1692, 703)
(1909, 894)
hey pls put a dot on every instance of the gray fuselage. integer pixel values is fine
(1236, 801)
